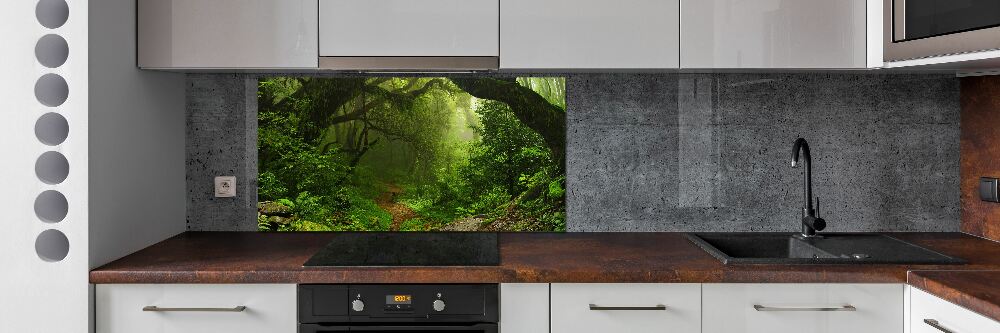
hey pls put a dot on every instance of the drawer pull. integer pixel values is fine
(596, 307)
(935, 324)
(159, 309)
(759, 307)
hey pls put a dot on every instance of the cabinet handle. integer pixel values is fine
(935, 324)
(159, 309)
(759, 307)
(596, 307)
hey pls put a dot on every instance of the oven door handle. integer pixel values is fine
(484, 328)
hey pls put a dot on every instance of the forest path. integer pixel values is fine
(399, 212)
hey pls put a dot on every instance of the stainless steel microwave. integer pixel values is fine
(916, 29)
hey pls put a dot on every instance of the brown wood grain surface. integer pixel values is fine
(980, 153)
(978, 291)
(248, 257)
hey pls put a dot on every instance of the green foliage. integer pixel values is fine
(407, 154)
(263, 224)
(553, 89)
(507, 151)
(489, 201)
(365, 215)
(289, 164)
(305, 225)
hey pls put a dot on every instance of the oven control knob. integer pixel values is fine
(358, 305)
(438, 305)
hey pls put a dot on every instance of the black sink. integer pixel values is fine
(837, 248)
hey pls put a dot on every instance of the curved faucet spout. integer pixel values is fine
(803, 146)
(810, 222)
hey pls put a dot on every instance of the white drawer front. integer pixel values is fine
(730, 308)
(524, 308)
(947, 315)
(270, 308)
(571, 311)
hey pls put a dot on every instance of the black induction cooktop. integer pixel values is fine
(409, 249)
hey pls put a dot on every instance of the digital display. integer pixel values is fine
(398, 299)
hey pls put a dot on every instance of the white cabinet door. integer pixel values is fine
(774, 34)
(270, 308)
(780, 308)
(927, 310)
(524, 308)
(633, 308)
(589, 34)
(408, 28)
(227, 34)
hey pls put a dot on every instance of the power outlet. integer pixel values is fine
(225, 187)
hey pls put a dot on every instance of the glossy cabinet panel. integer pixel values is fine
(802, 308)
(589, 34)
(524, 308)
(774, 34)
(188, 308)
(227, 34)
(634, 308)
(407, 28)
(930, 314)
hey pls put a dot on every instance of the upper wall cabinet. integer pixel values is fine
(589, 34)
(407, 34)
(780, 34)
(192, 34)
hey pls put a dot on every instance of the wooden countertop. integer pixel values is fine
(248, 257)
(978, 291)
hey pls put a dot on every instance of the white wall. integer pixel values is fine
(137, 185)
(126, 133)
(38, 295)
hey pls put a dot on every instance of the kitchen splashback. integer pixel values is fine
(411, 154)
(980, 106)
(681, 152)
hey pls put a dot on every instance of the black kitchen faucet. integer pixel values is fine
(810, 221)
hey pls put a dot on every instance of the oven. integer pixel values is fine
(914, 29)
(377, 308)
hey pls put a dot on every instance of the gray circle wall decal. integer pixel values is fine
(51, 206)
(51, 129)
(52, 167)
(52, 245)
(51, 51)
(52, 13)
(51, 90)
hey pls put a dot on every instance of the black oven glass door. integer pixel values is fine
(930, 18)
(313, 328)
(476, 328)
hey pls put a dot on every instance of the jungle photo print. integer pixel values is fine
(411, 154)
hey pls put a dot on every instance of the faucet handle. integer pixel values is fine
(817, 206)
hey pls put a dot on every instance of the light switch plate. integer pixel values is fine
(988, 189)
(225, 187)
